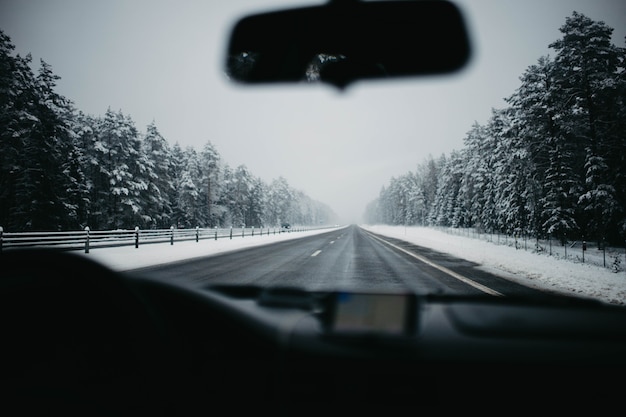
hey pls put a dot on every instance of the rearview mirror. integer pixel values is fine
(345, 41)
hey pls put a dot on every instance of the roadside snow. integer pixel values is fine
(538, 270)
(125, 258)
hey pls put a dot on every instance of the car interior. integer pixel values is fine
(93, 341)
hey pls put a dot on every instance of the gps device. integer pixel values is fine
(361, 313)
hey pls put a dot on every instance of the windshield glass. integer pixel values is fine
(120, 117)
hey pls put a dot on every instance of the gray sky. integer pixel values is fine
(162, 60)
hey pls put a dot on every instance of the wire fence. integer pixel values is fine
(579, 251)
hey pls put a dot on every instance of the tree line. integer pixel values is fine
(551, 162)
(61, 169)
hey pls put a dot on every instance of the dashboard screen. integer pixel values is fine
(371, 313)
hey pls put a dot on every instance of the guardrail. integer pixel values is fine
(88, 239)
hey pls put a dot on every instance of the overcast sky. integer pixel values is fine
(162, 60)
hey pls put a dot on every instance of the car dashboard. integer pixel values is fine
(291, 349)
(115, 345)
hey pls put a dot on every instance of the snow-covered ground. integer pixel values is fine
(124, 258)
(566, 276)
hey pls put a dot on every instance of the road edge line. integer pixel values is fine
(443, 269)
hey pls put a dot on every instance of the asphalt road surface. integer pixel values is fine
(348, 258)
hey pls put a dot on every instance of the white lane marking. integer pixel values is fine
(443, 269)
(332, 241)
(317, 252)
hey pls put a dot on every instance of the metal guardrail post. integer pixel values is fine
(87, 239)
(550, 241)
(136, 236)
(197, 231)
(231, 232)
(171, 235)
(215, 232)
(1, 238)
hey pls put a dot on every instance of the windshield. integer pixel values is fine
(120, 117)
